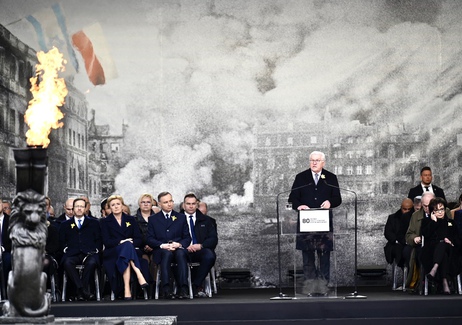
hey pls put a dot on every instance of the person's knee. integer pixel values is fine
(181, 256)
(68, 263)
(209, 258)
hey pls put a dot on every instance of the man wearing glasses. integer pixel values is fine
(315, 188)
(411, 251)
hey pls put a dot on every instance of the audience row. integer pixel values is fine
(424, 237)
(127, 249)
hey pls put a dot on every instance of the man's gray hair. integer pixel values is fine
(323, 156)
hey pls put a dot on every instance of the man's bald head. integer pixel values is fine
(406, 205)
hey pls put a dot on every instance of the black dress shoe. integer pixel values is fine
(80, 297)
(183, 295)
(169, 296)
(87, 295)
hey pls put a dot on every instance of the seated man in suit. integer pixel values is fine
(66, 215)
(168, 235)
(204, 240)
(395, 232)
(426, 185)
(5, 242)
(80, 241)
(412, 250)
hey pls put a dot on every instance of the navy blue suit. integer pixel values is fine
(116, 256)
(206, 235)
(161, 231)
(313, 196)
(77, 244)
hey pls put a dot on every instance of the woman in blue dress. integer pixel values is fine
(121, 239)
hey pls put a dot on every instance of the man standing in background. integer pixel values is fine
(426, 185)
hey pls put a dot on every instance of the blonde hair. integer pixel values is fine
(115, 197)
(146, 195)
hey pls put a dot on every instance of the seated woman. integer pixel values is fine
(440, 244)
(145, 210)
(121, 237)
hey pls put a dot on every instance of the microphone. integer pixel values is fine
(295, 188)
(341, 188)
(292, 189)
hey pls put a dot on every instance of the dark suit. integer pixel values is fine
(418, 190)
(161, 231)
(59, 220)
(206, 235)
(6, 245)
(77, 245)
(395, 233)
(116, 256)
(313, 196)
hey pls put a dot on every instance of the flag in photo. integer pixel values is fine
(50, 27)
(92, 44)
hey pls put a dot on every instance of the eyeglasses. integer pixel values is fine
(79, 206)
(439, 211)
(315, 161)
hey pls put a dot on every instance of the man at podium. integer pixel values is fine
(315, 188)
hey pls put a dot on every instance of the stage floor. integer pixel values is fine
(254, 306)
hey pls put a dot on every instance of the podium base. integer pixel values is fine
(355, 295)
(281, 296)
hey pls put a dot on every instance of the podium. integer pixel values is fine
(310, 232)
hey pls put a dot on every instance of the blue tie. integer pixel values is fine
(80, 223)
(193, 233)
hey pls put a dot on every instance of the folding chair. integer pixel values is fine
(80, 268)
(156, 294)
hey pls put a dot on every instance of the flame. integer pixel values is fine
(43, 112)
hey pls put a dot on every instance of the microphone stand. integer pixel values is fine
(353, 295)
(281, 295)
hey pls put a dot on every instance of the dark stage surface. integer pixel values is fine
(253, 306)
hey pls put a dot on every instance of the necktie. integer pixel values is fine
(167, 216)
(316, 178)
(426, 188)
(80, 223)
(193, 233)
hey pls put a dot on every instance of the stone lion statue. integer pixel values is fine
(27, 296)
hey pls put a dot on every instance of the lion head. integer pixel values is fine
(28, 220)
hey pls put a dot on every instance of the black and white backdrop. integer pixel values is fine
(197, 79)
